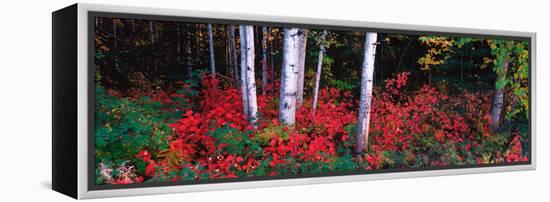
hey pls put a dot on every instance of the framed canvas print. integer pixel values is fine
(150, 101)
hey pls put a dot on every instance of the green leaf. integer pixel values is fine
(501, 83)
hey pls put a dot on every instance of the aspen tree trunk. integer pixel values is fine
(250, 75)
(498, 100)
(289, 76)
(233, 48)
(211, 48)
(264, 59)
(319, 68)
(301, 66)
(365, 100)
(244, 91)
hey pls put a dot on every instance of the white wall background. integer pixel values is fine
(25, 98)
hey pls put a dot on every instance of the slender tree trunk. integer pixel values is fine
(115, 35)
(96, 22)
(472, 62)
(198, 48)
(319, 68)
(366, 93)
(289, 77)
(271, 63)
(233, 48)
(152, 38)
(244, 91)
(228, 59)
(498, 100)
(301, 54)
(462, 68)
(188, 54)
(382, 62)
(115, 44)
(178, 43)
(250, 75)
(264, 60)
(211, 48)
(403, 56)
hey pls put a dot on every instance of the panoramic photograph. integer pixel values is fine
(190, 101)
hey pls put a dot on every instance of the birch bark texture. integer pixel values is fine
(248, 85)
(211, 48)
(289, 76)
(250, 75)
(322, 41)
(242, 38)
(498, 100)
(365, 99)
(302, 43)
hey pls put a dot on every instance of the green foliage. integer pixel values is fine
(185, 173)
(508, 58)
(124, 127)
(500, 84)
(519, 76)
(461, 41)
(342, 85)
(511, 64)
(330, 40)
(238, 143)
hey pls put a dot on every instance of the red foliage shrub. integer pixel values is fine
(422, 128)
(313, 138)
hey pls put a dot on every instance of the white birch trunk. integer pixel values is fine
(301, 66)
(250, 76)
(498, 100)
(211, 47)
(242, 34)
(289, 76)
(319, 68)
(365, 100)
